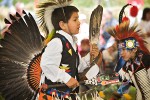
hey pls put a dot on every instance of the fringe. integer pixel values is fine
(94, 96)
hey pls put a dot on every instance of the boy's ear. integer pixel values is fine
(62, 25)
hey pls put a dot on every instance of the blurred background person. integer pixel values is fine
(144, 25)
(110, 22)
(145, 22)
(110, 55)
(19, 7)
(36, 2)
(8, 3)
(85, 47)
(102, 41)
(3, 30)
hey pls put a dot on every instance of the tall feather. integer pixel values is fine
(121, 12)
(94, 28)
(20, 54)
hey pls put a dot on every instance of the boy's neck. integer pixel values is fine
(70, 35)
(66, 32)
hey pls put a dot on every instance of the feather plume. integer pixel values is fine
(95, 22)
(20, 54)
(123, 31)
(45, 10)
(121, 12)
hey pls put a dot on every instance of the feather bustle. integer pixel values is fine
(20, 45)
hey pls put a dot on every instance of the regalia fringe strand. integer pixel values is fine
(93, 96)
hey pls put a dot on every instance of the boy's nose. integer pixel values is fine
(79, 22)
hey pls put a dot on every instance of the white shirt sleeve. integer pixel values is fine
(85, 63)
(50, 62)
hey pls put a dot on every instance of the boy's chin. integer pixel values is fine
(75, 33)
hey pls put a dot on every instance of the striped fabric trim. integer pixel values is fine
(143, 83)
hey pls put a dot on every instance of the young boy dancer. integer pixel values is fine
(60, 61)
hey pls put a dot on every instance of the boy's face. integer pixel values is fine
(73, 25)
(127, 54)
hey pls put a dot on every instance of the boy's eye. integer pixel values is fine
(75, 19)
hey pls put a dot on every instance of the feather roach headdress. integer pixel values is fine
(128, 35)
(44, 13)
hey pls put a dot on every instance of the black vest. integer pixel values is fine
(69, 57)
